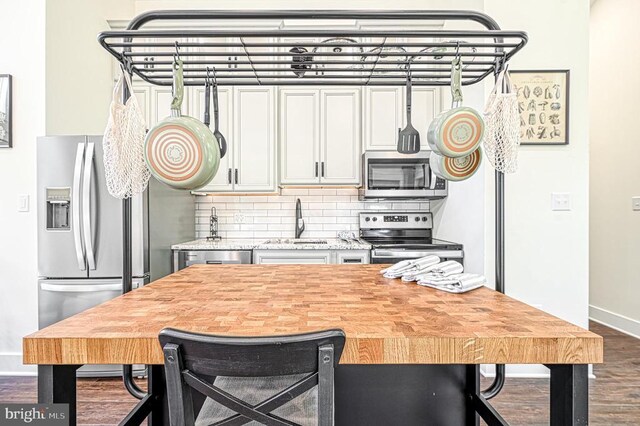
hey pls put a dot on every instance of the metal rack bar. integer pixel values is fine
(495, 53)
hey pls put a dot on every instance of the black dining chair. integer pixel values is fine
(247, 379)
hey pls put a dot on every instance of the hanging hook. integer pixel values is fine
(208, 80)
(457, 49)
(176, 57)
(215, 80)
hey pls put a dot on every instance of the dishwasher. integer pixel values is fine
(184, 258)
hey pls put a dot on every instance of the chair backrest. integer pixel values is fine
(193, 360)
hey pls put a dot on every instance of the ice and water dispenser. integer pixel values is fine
(58, 208)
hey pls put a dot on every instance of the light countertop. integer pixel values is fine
(272, 244)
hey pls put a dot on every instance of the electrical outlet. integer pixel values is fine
(238, 217)
(560, 201)
(23, 203)
(635, 203)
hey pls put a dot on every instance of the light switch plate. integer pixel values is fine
(635, 203)
(560, 201)
(23, 203)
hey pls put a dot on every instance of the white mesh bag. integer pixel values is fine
(126, 171)
(502, 126)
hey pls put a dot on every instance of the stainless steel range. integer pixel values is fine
(397, 236)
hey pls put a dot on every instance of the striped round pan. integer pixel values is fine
(174, 154)
(461, 132)
(455, 169)
(462, 167)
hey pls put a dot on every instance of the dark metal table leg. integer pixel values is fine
(471, 390)
(569, 394)
(159, 414)
(57, 385)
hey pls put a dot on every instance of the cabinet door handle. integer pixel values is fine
(323, 169)
(236, 175)
(229, 175)
(316, 169)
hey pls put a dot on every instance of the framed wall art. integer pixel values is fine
(543, 103)
(5, 111)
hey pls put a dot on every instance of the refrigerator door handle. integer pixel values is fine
(80, 288)
(75, 207)
(86, 206)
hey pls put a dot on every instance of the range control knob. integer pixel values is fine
(424, 218)
(375, 219)
(367, 219)
(417, 219)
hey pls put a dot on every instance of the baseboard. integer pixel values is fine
(11, 365)
(618, 322)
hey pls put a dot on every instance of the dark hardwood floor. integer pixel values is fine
(614, 397)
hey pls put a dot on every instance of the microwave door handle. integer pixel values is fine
(432, 180)
(86, 206)
(75, 208)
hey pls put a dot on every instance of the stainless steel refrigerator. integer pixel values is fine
(80, 231)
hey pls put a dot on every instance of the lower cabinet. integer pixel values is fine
(311, 257)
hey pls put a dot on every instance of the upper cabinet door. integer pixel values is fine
(340, 136)
(254, 139)
(426, 104)
(142, 93)
(383, 116)
(222, 181)
(299, 136)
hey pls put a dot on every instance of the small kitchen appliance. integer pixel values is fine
(391, 175)
(396, 236)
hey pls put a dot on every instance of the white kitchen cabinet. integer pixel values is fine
(254, 136)
(247, 120)
(299, 136)
(426, 104)
(222, 181)
(314, 257)
(142, 93)
(385, 113)
(320, 136)
(288, 257)
(352, 256)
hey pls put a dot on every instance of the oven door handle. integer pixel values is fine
(449, 254)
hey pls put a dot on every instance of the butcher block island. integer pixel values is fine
(412, 353)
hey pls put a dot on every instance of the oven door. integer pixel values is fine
(397, 255)
(389, 175)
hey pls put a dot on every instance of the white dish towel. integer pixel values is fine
(447, 268)
(406, 266)
(454, 283)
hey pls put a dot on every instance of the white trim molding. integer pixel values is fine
(11, 365)
(618, 322)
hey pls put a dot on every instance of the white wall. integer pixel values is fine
(22, 32)
(614, 227)
(79, 71)
(547, 252)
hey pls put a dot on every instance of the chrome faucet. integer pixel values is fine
(299, 220)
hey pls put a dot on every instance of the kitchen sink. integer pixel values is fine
(294, 241)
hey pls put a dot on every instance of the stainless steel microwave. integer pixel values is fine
(391, 175)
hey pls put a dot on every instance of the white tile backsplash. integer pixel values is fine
(326, 212)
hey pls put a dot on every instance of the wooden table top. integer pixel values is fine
(386, 321)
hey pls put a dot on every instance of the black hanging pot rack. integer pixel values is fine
(246, 56)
